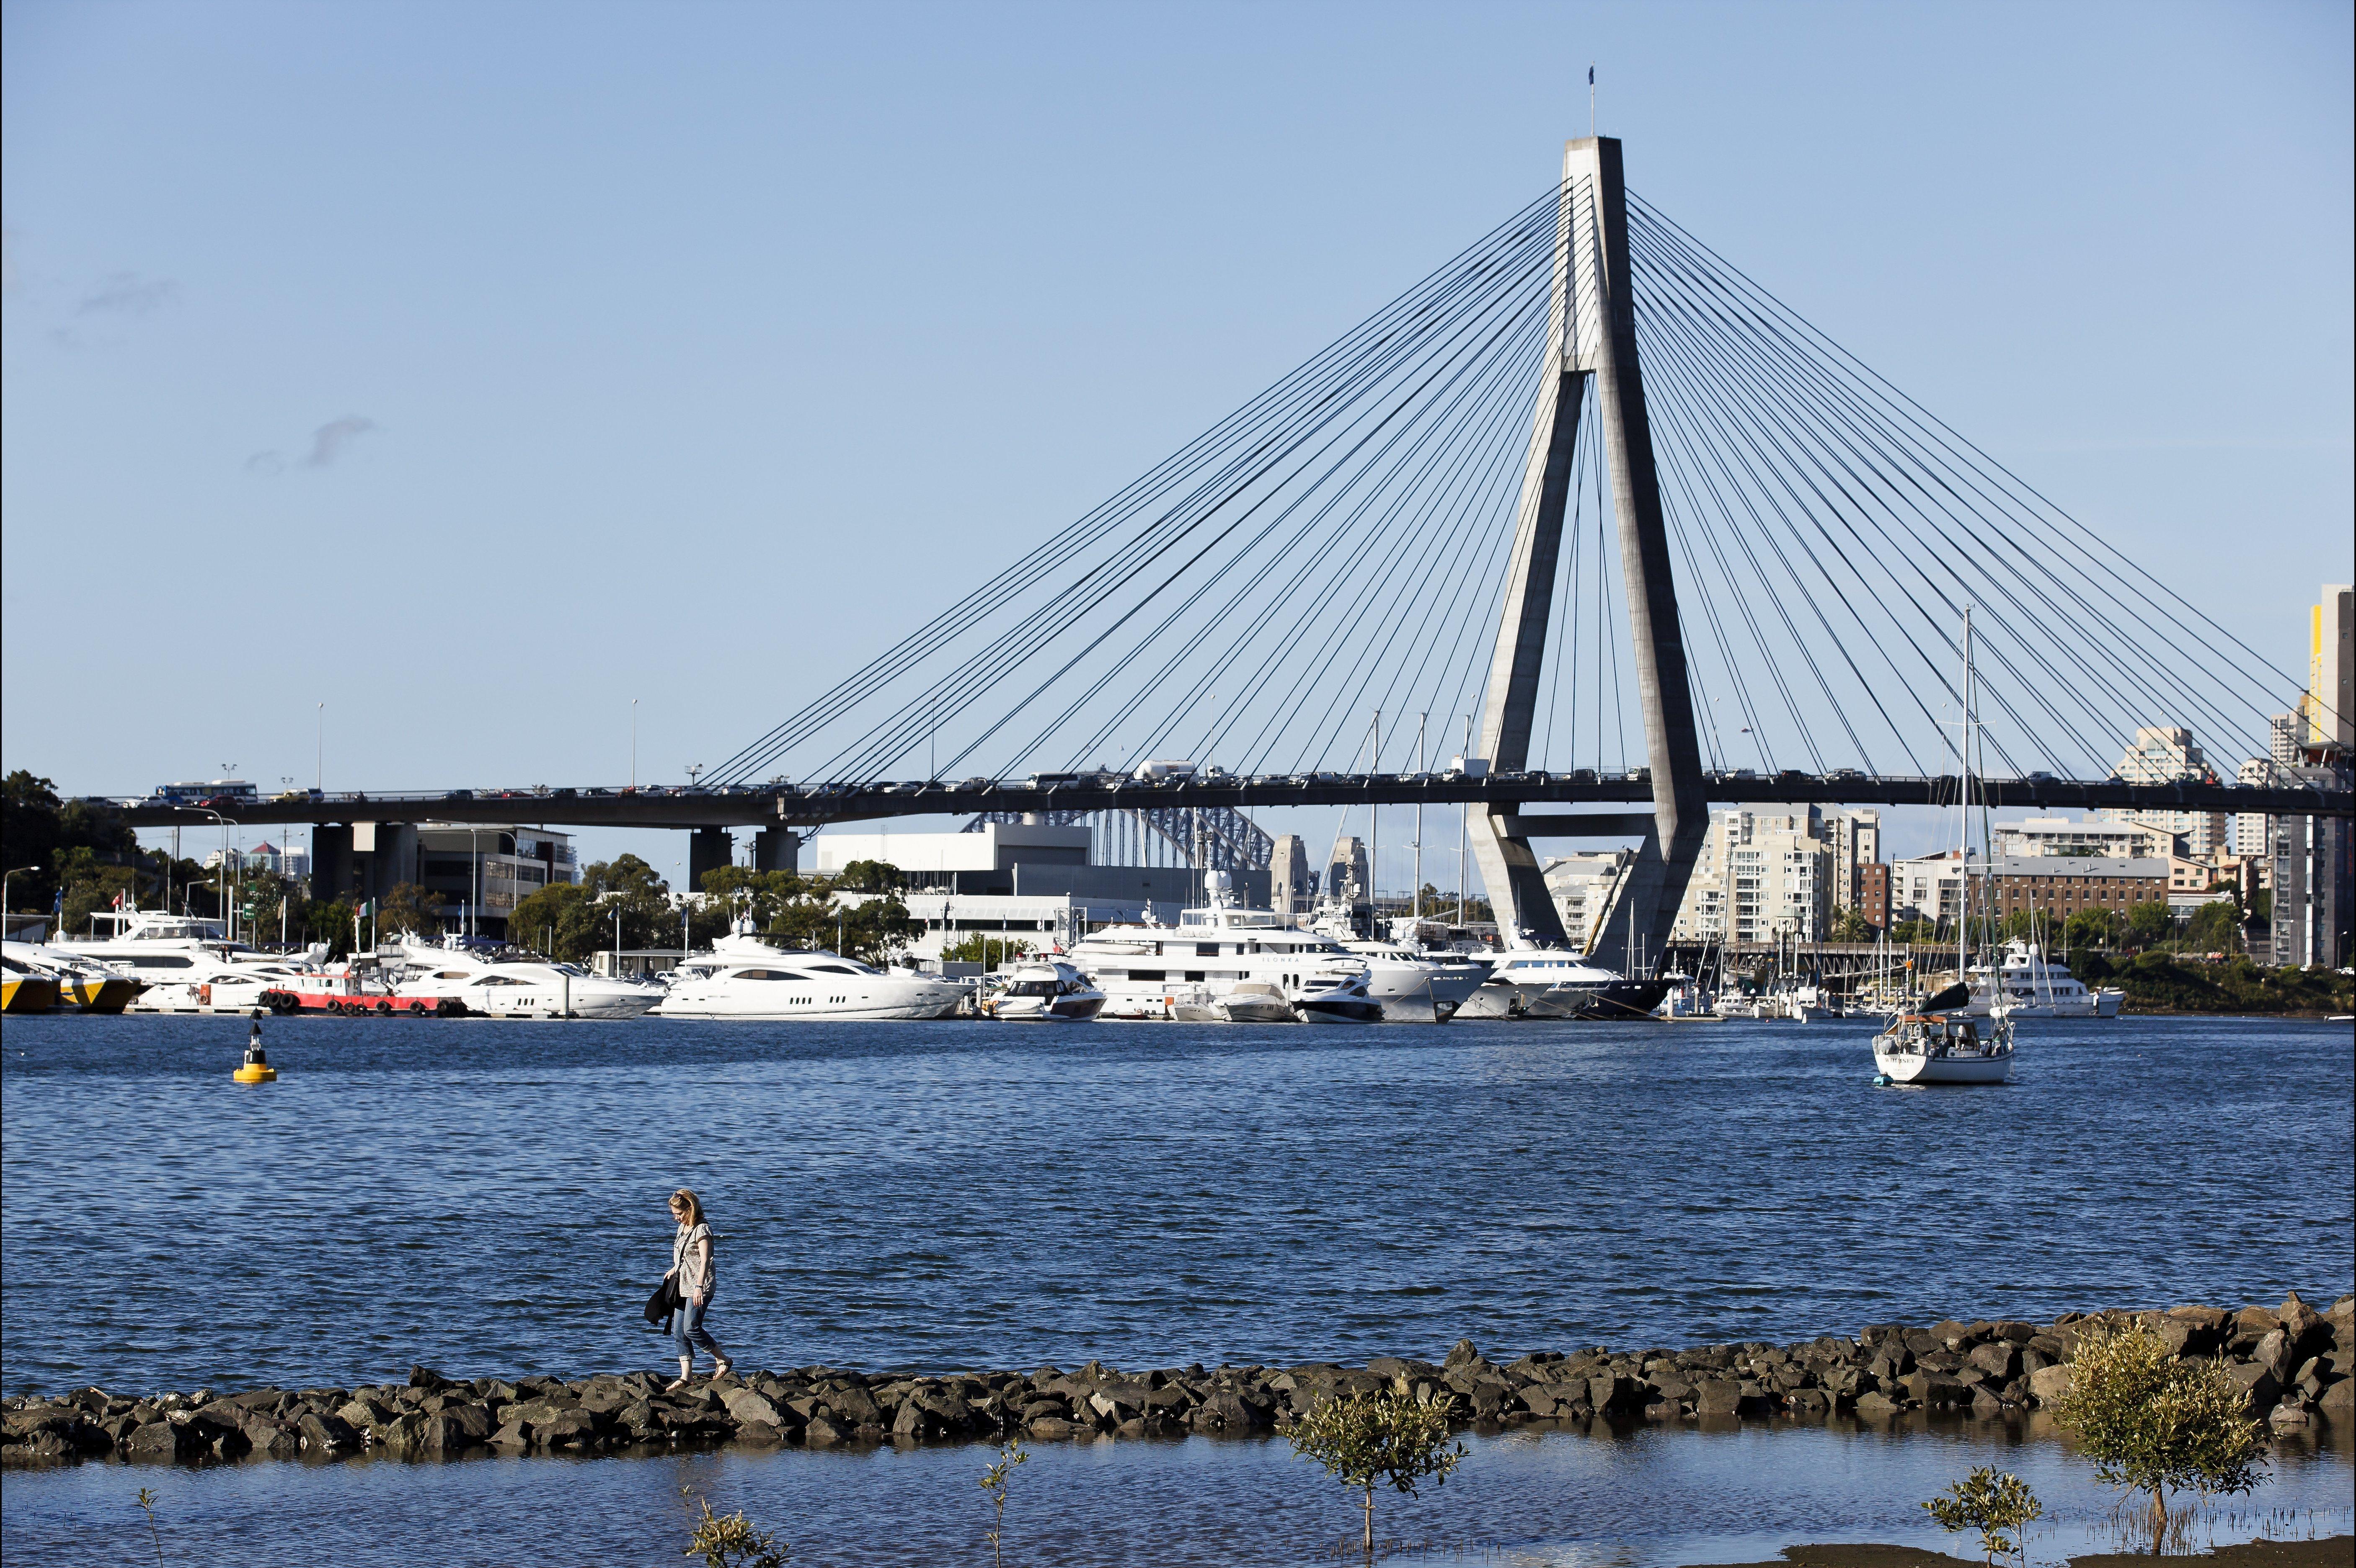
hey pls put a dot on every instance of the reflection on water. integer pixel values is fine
(1641, 1498)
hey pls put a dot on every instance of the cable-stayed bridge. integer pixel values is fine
(1587, 504)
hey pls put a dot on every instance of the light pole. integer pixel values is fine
(4, 887)
(320, 779)
(220, 886)
(634, 765)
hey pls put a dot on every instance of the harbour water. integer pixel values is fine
(487, 1198)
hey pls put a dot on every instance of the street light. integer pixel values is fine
(220, 890)
(3, 886)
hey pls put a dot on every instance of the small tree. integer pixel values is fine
(1996, 1504)
(994, 1485)
(732, 1541)
(2154, 1424)
(1367, 1439)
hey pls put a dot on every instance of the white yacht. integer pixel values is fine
(2034, 988)
(1549, 983)
(1047, 991)
(509, 988)
(1347, 1003)
(84, 985)
(1149, 970)
(186, 964)
(1414, 984)
(1246, 1002)
(745, 977)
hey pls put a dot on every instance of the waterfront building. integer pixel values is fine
(2093, 835)
(1760, 876)
(1584, 888)
(2314, 879)
(1931, 887)
(1856, 840)
(1873, 895)
(2167, 754)
(476, 875)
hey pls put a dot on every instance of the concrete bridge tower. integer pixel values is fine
(1592, 337)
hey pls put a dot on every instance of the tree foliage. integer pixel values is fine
(1998, 1504)
(69, 845)
(733, 1541)
(410, 909)
(870, 877)
(2153, 1423)
(1367, 1440)
(984, 947)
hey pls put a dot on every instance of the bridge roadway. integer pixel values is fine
(789, 806)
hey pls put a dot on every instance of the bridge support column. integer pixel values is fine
(1594, 333)
(776, 849)
(331, 861)
(708, 850)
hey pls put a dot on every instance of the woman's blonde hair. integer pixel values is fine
(686, 1198)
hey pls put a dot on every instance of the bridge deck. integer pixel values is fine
(791, 805)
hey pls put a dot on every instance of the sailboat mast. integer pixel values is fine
(1963, 814)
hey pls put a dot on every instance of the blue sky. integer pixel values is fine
(477, 369)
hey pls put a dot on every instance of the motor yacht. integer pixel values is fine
(1549, 983)
(1246, 1002)
(511, 987)
(186, 964)
(745, 977)
(1049, 991)
(1415, 984)
(2034, 988)
(1349, 1002)
(1148, 970)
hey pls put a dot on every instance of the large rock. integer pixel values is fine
(1615, 1394)
(2338, 1400)
(746, 1407)
(2259, 1384)
(1998, 1358)
(1877, 1406)
(325, 1433)
(1718, 1396)
(2050, 1385)
(2296, 1316)
(822, 1433)
(2276, 1354)
(165, 1442)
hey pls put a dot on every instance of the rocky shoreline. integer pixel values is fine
(2295, 1362)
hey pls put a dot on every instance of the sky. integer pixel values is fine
(477, 370)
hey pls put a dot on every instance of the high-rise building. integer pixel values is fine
(1585, 886)
(2166, 753)
(1761, 876)
(2330, 707)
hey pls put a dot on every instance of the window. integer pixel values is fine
(1206, 950)
(1194, 974)
(1156, 975)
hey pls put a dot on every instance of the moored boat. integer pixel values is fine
(1047, 991)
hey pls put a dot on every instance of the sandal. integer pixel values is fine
(723, 1369)
(675, 1387)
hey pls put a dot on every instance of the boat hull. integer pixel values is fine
(1354, 1010)
(1908, 1067)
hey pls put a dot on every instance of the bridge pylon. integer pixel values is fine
(1593, 336)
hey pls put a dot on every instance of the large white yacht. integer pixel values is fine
(1415, 984)
(1549, 983)
(187, 966)
(509, 988)
(745, 977)
(2035, 988)
(1149, 970)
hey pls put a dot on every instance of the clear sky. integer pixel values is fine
(475, 370)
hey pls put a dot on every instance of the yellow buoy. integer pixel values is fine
(256, 1068)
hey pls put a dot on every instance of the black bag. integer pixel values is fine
(665, 1301)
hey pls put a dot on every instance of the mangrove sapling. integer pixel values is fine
(732, 1541)
(2153, 1423)
(1997, 1504)
(1367, 1439)
(147, 1501)
(995, 1483)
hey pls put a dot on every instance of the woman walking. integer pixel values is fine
(691, 1267)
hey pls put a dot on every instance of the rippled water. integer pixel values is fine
(487, 1198)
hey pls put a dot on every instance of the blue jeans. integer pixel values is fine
(687, 1328)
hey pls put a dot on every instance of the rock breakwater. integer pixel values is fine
(2295, 1362)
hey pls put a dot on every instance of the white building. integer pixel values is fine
(2093, 835)
(2165, 753)
(1584, 888)
(1760, 876)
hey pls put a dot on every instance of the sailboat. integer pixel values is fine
(1938, 1041)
